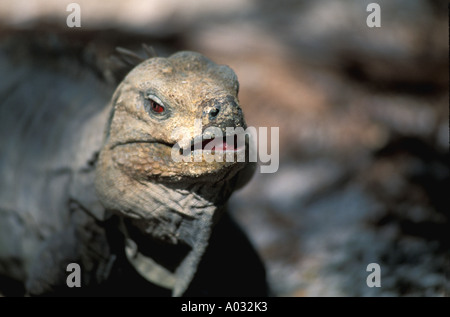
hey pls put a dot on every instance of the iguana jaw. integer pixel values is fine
(145, 160)
(216, 145)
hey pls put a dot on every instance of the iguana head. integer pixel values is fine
(162, 107)
(167, 103)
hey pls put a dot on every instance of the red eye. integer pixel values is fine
(156, 107)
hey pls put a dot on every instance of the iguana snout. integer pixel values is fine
(222, 112)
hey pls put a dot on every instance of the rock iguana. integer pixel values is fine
(90, 182)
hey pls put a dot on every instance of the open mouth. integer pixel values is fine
(224, 144)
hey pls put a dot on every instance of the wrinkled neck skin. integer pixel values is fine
(167, 225)
(179, 238)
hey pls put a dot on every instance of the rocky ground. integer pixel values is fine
(363, 117)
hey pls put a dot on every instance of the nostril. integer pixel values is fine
(214, 112)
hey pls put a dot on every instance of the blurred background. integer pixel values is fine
(363, 117)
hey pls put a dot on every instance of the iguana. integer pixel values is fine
(94, 183)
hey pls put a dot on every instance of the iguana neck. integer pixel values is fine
(166, 250)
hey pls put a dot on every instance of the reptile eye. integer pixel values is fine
(156, 107)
